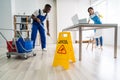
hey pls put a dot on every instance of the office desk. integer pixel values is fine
(81, 27)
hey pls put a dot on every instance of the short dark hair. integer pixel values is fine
(90, 8)
(48, 5)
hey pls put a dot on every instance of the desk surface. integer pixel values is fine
(89, 26)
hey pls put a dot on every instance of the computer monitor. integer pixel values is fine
(75, 19)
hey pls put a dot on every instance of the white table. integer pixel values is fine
(81, 27)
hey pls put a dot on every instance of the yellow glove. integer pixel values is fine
(100, 16)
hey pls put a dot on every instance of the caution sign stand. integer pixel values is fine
(64, 51)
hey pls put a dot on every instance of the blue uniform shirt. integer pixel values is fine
(95, 17)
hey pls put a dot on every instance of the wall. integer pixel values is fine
(110, 10)
(26, 6)
(68, 8)
(113, 11)
(5, 20)
(29, 6)
(60, 15)
(9, 8)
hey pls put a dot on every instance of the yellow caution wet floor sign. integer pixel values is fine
(64, 51)
(61, 50)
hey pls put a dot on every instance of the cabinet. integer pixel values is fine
(22, 24)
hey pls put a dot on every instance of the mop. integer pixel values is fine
(45, 31)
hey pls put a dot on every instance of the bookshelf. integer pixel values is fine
(22, 24)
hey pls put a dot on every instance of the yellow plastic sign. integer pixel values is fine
(64, 51)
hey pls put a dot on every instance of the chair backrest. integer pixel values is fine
(98, 33)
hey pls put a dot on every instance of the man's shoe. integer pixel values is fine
(44, 49)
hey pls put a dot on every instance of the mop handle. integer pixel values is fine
(41, 25)
(3, 36)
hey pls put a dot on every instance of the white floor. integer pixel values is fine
(96, 65)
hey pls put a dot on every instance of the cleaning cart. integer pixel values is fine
(19, 47)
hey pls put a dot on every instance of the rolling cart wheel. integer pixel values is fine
(34, 54)
(8, 56)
